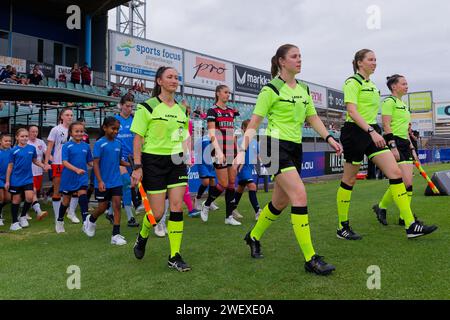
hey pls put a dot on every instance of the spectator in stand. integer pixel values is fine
(62, 77)
(13, 78)
(131, 93)
(38, 69)
(75, 74)
(136, 86)
(35, 77)
(86, 75)
(5, 73)
(114, 92)
(197, 113)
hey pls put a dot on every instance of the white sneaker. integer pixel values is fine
(89, 227)
(72, 217)
(15, 226)
(160, 230)
(197, 204)
(24, 222)
(28, 217)
(1, 223)
(231, 221)
(214, 206)
(204, 212)
(140, 209)
(59, 227)
(257, 214)
(236, 214)
(118, 240)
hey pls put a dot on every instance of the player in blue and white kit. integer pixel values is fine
(5, 150)
(76, 155)
(19, 178)
(108, 182)
(125, 136)
(245, 175)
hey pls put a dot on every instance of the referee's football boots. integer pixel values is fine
(318, 266)
(347, 232)
(255, 246)
(380, 214)
(139, 247)
(417, 229)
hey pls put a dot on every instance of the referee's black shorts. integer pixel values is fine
(161, 173)
(406, 156)
(357, 143)
(281, 155)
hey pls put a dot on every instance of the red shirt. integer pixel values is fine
(86, 74)
(224, 123)
(75, 75)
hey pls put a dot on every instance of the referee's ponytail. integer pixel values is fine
(282, 51)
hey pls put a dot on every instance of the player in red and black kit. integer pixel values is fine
(221, 132)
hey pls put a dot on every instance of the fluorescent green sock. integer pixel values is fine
(299, 219)
(344, 195)
(175, 230)
(401, 200)
(146, 225)
(268, 215)
(386, 200)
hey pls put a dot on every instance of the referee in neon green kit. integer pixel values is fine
(359, 137)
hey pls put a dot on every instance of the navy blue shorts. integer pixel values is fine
(71, 192)
(108, 194)
(20, 189)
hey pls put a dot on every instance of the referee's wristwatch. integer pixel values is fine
(370, 130)
(137, 166)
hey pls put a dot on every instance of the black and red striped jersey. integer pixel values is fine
(224, 123)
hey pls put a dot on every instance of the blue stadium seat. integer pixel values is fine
(70, 85)
(61, 84)
(51, 82)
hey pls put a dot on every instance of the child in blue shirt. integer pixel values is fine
(19, 178)
(76, 156)
(5, 150)
(108, 181)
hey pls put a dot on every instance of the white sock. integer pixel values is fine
(73, 206)
(129, 212)
(56, 205)
(37, 208)
(166, 209)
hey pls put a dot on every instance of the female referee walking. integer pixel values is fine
(396, 120)
(287, 104)
(359, 137)
(160, 143)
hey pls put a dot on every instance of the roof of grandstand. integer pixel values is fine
(85, 5)
(44, 93)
